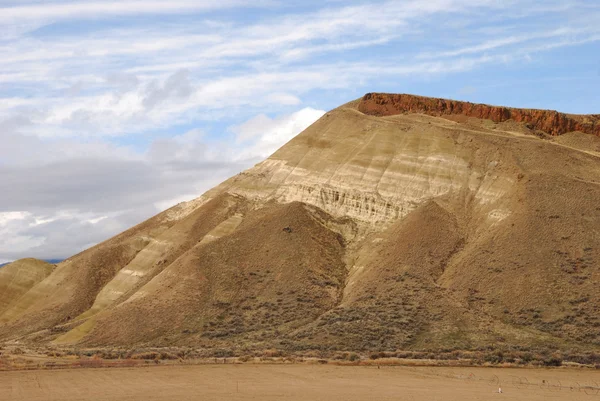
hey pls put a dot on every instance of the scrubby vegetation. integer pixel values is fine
(54, 358)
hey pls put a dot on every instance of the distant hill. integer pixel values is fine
(51, 261)
(20, 276)
(394, 222)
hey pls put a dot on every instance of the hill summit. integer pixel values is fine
(393, 222)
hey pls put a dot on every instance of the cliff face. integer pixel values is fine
(549, 121)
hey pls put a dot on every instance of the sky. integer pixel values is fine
(111, 111)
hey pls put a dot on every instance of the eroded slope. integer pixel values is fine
(281, 269)
(19, 277)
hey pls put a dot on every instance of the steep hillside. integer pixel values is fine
(393, 222)
(247, 286)
(19, 277)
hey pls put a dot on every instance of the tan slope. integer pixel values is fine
(539, 268)
(165, 248)
(391, 297)
(98, 277)
(282, 268)
(581, 141)
(18, 277)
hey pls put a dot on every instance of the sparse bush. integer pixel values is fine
(167, 356)
(553, 361)
(223, 353)
(377, 355)
(146, 356)
(273, 353)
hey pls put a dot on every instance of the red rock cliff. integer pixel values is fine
(549, 121)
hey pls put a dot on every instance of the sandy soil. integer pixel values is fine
(300, 382)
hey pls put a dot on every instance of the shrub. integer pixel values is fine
(553, 361)
(146, 356)
(272, 353)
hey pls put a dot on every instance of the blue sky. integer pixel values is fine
(112, 111)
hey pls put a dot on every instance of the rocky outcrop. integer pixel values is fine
(549, 121)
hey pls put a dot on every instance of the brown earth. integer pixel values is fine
(19, 277)
(549, 121)
(299, 382)
(363, 233)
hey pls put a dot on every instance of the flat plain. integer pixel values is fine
(300, 382)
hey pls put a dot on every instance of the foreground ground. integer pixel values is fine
(299, 382)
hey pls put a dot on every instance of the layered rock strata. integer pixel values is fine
(549, 121)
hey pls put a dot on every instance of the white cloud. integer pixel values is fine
(269, 134)
(576, 35)
(13, 240)
(176, 100)
(252, 128)
(95, 9)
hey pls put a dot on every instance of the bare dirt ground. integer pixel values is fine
(300, 382)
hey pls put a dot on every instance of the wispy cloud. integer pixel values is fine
(532, 41)
(98, 9)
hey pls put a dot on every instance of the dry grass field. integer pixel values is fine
(300, 382)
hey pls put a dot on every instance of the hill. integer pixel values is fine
(18, 277)
(393, 222)
(51, 261)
